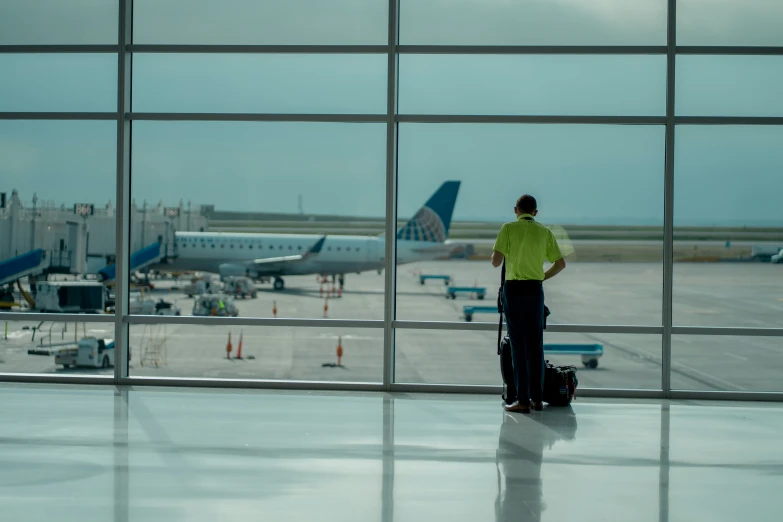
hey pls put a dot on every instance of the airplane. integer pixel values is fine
(271, 256)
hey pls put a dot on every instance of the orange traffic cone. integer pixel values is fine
(239, 348)
(339, 350)
(229, 347)
(274, 308)
(326, 307)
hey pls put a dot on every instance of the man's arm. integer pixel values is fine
(497, 258)
(555, 269)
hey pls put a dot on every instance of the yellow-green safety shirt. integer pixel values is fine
(525, 244)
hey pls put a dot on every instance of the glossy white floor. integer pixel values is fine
(86, 453)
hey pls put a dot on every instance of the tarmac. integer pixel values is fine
(705, 294)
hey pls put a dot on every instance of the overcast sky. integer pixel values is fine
(581, 174)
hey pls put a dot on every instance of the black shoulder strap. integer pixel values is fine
(500, 303)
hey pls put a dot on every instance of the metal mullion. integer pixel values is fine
(482, 389)
(275, 117)
(723, 50)
(49, 378)
(251, 321)
(712, 395)
(123, 196)
(668, 203)
(728, 120)
(553, 328)
(48, 115)
(65, 48)
(724, 331)
(58, 318)
(390, 255)
(533, 49)
(559, 119)
(252, 383)
(257, 49)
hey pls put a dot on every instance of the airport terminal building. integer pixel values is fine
(245, 258)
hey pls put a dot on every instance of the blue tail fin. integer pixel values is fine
(431, 223)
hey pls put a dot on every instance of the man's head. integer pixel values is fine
(526, 205)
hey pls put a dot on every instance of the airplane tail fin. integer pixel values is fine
(432, 221)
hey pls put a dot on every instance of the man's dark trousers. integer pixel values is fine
(523, 303)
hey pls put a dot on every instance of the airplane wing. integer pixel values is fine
(275, 264)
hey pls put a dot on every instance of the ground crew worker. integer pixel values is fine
(221, 307)
(524, 245)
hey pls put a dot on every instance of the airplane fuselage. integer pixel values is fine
(234, 252)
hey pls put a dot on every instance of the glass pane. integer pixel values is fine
(466, 357)
(533, 84)
(267, 352)
(729, 85)
(39, 22)
(726, 22)
(533, 22)
(273, 202)
(726, 216)
(58, 82)
(600, 189)
(293, 22)
(275, 83)
(56, 205)
(727, 363)
(56, 347)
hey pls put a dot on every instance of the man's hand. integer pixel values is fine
(497, 258)
(555, 269)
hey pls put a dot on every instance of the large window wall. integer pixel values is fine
(649, 131)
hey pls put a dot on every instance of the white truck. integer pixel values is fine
(765, 252)
(240, 287)
(70, 297)
(90, 352)
(215, 305)
(777, 258)
(140, 303)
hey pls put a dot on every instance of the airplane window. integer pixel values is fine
(222, 246)
(357, 249)
(241, 246)
(338, 249)
(299, 247)
(290, 247)
(280, 247)
(213, 245)
(250, 247)
(232, 245)
(271, 247)
(329, 249)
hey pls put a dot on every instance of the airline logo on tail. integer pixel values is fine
(431, 223)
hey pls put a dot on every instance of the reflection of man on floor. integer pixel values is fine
(519, 458)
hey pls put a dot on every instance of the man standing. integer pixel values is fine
(524, 245)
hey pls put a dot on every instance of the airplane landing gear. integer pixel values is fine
(279, 283)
